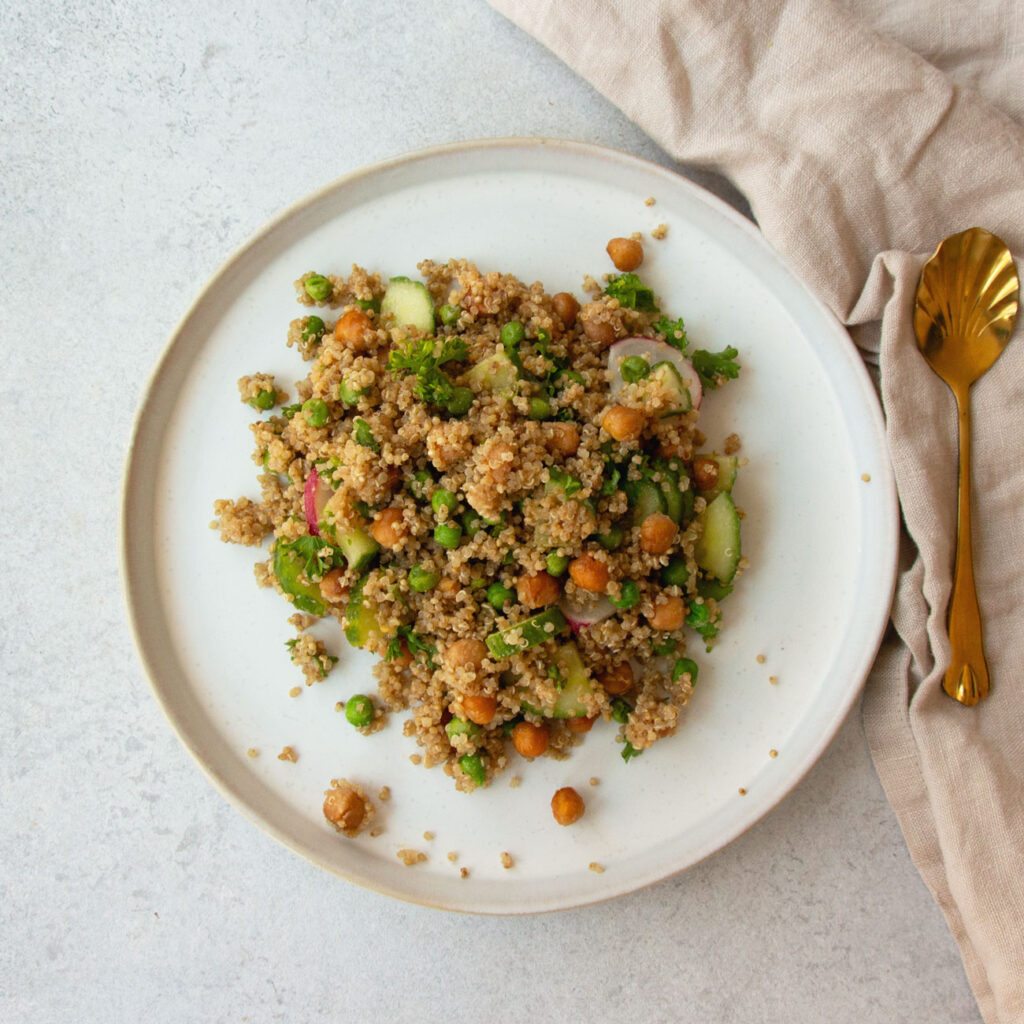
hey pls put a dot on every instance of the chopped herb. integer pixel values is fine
(432, 384)
(673, 331)
(288, 411)
(317, 556)
(660, 648)
(362, 434)
(629, 751)
(632, 293)
(415, 642)
(620, 711)
(712, 367)
(568, 483)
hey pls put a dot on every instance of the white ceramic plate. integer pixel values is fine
(822, 540)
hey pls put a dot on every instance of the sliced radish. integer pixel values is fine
(315, 496)
(654, 352)
(579, 616)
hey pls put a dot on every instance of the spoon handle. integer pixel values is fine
(966, 679)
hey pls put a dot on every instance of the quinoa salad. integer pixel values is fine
(505, 496)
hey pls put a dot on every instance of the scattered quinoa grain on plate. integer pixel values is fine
(596, 868)
(506, 859)
(502, 494)
(410, 858)
(288, 754)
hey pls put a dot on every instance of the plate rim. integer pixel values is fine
(887, 514)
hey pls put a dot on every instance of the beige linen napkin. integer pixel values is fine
(858, 156)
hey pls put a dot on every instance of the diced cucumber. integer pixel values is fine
(359, 549)
(409, 303)
(708, 588)
(649, 500)
(496, 373)
(718, 549)
(577, 684)
(727, 466)
(665, 374)
(288, 568)
(503, 643)
(360, 618)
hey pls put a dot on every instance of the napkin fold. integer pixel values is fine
(858, 155)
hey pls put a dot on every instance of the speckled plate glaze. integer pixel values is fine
(820, 532)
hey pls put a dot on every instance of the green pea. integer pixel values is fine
(315, 411)
(421, 580)
(420, 483)
(449, 315)
(313, 328)
(362, 434)
(460, 727)
(442, 498)
(612, 539)
(568, 377)
(634, 368)
(318, 287)
(499, 595)
(448, 535)
(349, 395)
(472, 523)
(675, 574)
(263, 399)
(628, 597)
(556, 564)
(682, 666)
(369, 305)
(473, 767)
(620, 711)
(512, 334)
(540, 409)
(359, 710)
(663, 647)
(461, 400)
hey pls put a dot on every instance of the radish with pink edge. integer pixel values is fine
(659, 357)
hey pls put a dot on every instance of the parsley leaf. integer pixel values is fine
(673, 331)
(416, 643)
(317, 556)
(712, 366)
(362, 434)
(420, 358)
(629, 751)
(560, 478)
(632, 293)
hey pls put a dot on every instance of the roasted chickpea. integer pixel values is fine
(354, 329)
(705, 472)
(589, 573)
(538, 590)
(344, 808)
(567, 806)
(389, 528)
(466, 652)
(626, 253)
(530, 740)
(618, 679)
(480, 709)
(600, 332)
(331, 586)
(580, 725)
(566, 307)
(562, 439)
(623, 423)
(669, 613)
(657, 532)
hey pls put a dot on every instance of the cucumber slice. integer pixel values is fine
(727, 466)
(496, 373)
(288, 567)
(503, 643)
(649, 500)
(361, 623)
(666, 375)
(577, 684)
(409, 303)
(359, 549)
(718, 550)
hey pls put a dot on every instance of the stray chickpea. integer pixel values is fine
(657, 533)
(530, 740)
(589, 573)
(353, 329)
(562, 439)
(623, 423)
(567, 806)
(669, 614)
(566, 307)
(332, 588)
(480, 709)
(344, 808)
(580, 725)
(626, 253)
(538, 590)
(705, 472)
(600, 332)
(466, 652)
(389, 528)
(618, 679)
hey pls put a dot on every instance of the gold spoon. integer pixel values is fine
(964, 313)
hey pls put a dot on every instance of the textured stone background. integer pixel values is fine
(139, 145)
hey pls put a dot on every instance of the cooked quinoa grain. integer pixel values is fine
(493, 489)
